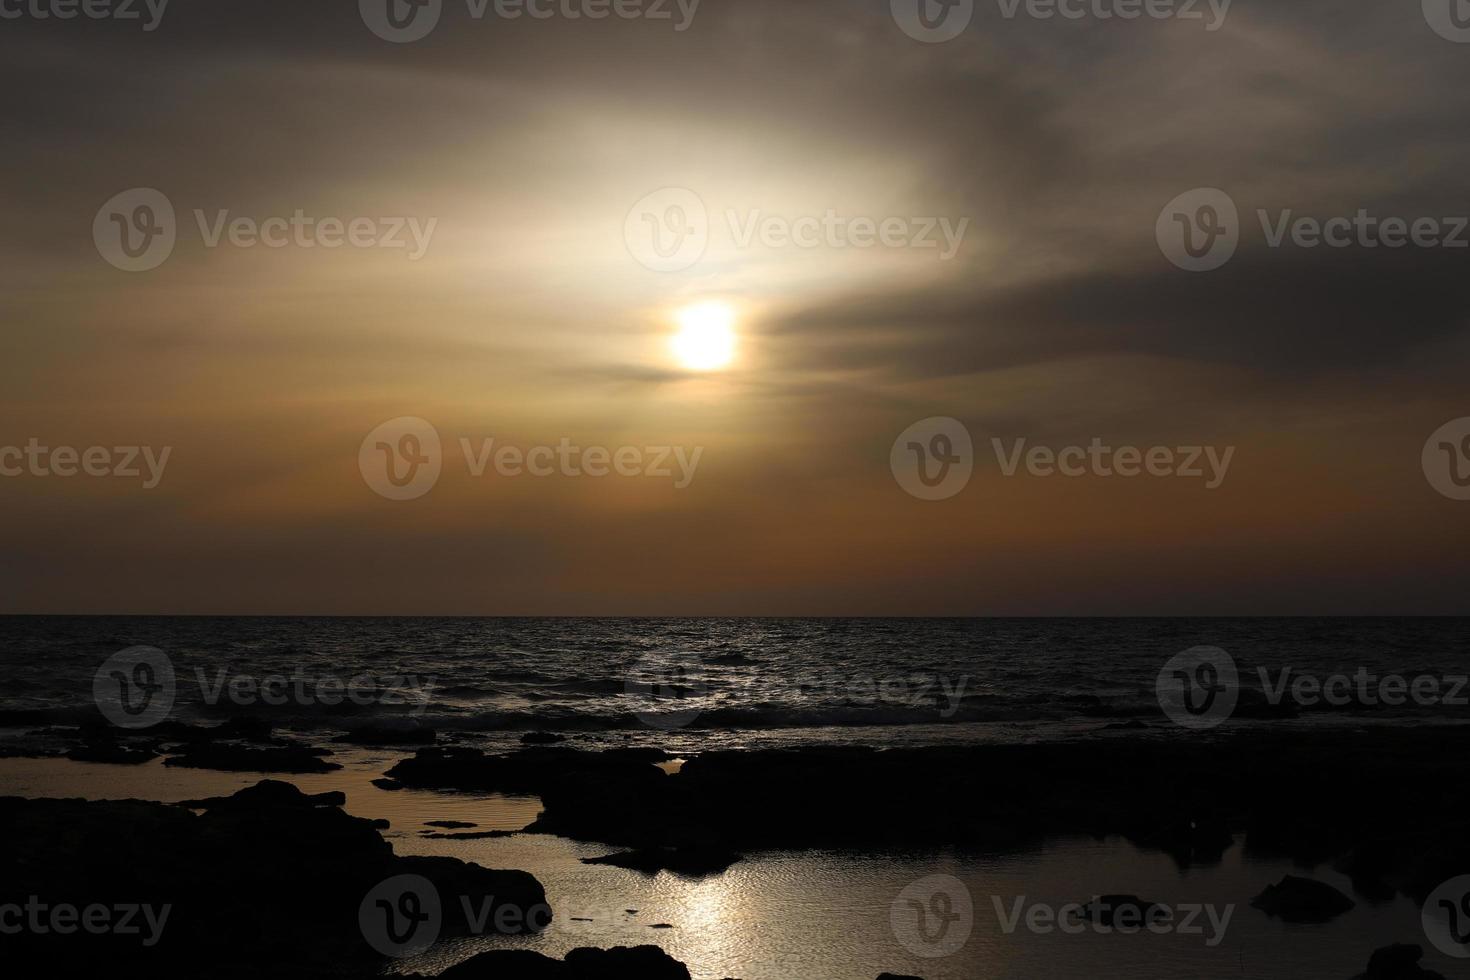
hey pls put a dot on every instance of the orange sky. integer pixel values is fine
(532, 318)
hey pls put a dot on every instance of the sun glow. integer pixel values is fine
(706, 337)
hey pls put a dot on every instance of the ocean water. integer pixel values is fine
(702, 683)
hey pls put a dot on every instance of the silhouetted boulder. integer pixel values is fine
(503, 963)
(530, 770)
(1305, 798)
(112, 752)
(1197, 840)
(268, 794)
(226, 757)
(269, 881)
(618, 963)
(235, 729)
(1398, 962)
(625, 963)
(692, 861)
(1296, 899)
(1122, 910)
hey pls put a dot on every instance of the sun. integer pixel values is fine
(706, 337)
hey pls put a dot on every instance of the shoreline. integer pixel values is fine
(1278, 788)
(1350, 806)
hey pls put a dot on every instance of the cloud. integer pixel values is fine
(1290, 313)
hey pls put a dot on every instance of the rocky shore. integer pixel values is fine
(266, 882)
(271, 879)
(1389, 808)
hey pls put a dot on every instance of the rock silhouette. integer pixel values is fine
(1366, 798)
(1398, 962)
(267, 878)
(618, 963)
(1295, 899)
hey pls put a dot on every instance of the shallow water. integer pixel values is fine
(822, 915)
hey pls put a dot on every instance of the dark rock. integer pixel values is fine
(268, 794)
(1122, 910)
(527, 771)
(625, 963)
(619, 963)
(518, 892)
(542, 738)
(523, 964)
(24, 717)
(472, 835)
(692, 862)
(1308, 835)
(113, 753)
(1296, 899)
(1192, 840)
(1303, 797)
(30, 750)
(1369, 864)
(235, 729)
(1398, 962)
(449, 824)
(1433, 857)
(225, 757)
(387, 784)
(1413, 863)
(272, 875)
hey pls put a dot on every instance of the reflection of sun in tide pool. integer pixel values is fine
(706, 337)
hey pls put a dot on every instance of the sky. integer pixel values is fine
(889, 229)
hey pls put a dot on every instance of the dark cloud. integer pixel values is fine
(1292, 313)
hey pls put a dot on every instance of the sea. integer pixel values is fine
(690, 684)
